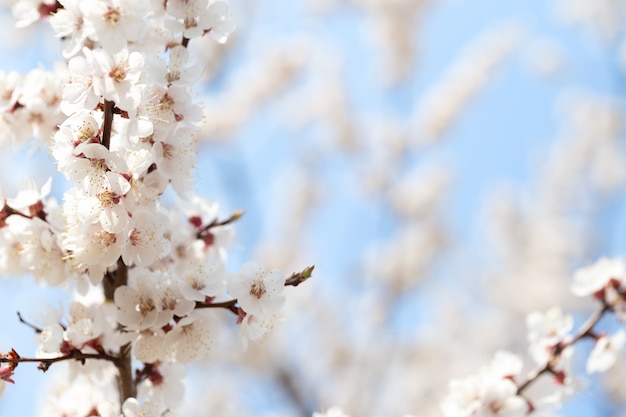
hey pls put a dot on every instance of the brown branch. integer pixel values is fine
(233, 218)
(533, 376)
(108, 123)
(238, 214)
(123, 363)
(32, 326)
(287, 381)
(44, 363)
(295, 279)
(585, 330)
(10, 211)
(229, 305)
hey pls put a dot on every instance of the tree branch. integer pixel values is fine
(298, 278)
(229, 305)
(32, 326)
(127, 387)
(108, 123)
(14, 358)
(295, 279)
(585, 330)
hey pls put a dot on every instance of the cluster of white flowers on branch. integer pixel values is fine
(119, 120)
(502, 388)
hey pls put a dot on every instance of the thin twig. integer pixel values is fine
(585, 330)
(32, 326)
(44, 363)
(229, 305)
(299, 277)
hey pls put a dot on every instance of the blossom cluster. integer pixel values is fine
(120, 122)
(501, 388)
(29, 105)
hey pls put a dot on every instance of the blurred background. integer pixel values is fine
(445, 164)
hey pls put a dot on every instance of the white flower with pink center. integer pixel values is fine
(117, 76)
(175, 157)
(605, 352)
(193, 337)
(79, 92)
(85, 324)
(593, 278)
(114, 22)
(545, 331)
(67, 24)
(491, 392)
(171, 301)
(199, 280)
(149, 408)
(149, 346)
(107, 206)
(254, 328)
(138, 305)
(39, 250)
(146, 237)
(165, 385)
(92, 246)
(257, 291)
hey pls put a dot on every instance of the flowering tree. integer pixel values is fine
(119, 121)
(406, 311)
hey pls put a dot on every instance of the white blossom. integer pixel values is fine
(80, 93)
(117, 76)
(138, 305)
(595, 277)
(199, 280)
(193, 337)
(114, 23)
(258, 292)
(149, 346)
(331, 412)
(490, 393)
(146, 238)
(166, 385)
(254, 328)
(545, 331)
(67, 24)
(605, 352)
(132, 408)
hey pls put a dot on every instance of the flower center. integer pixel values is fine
(257, 288)
(106, 239)
(112, 15)
(86, 131)
(167, 103)
(145, 305)
(107, 198)
(135, 237)
(168, 150)
(118, 73)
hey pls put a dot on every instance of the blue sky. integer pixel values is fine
(498, 139)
